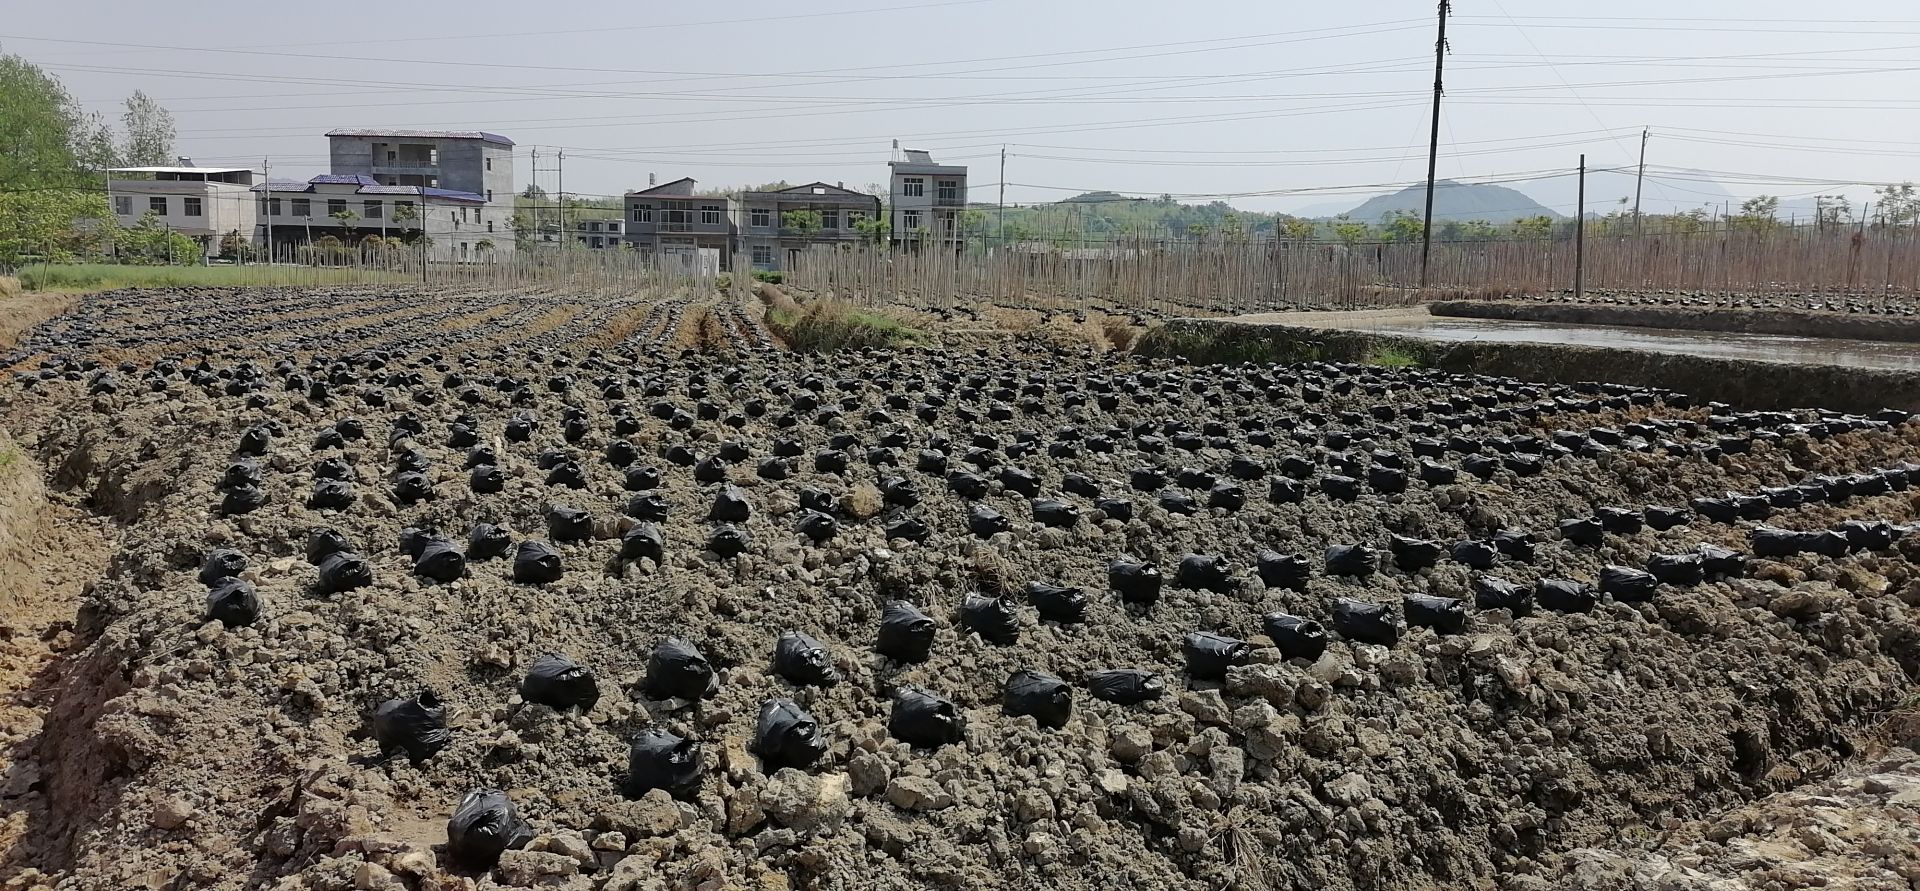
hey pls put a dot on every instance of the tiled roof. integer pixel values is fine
(389, 190)
(282, 185)
(426, 134)
(454, 195)
(344, 179)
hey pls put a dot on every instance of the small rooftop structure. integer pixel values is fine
(423, 134)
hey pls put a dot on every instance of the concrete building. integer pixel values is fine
(470, 162)
(203, 203)
(302, 213)
(677, 227)
(927, 198)
(770, 243)
(598, 234)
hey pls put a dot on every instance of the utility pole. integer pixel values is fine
(1003, 195)
(566, 236)
(1580, 237)
(1433, 142)
(533, 194)
(1638, 179)
(266, 190)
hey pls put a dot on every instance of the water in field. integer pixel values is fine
(1755, 347)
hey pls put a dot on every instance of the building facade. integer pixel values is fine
(351, 207)
(768, 231)
(676, 226)
(926, 201)
(468, 162)
(599, 234)
(207, 204)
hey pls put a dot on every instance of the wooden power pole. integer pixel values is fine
(1638, 180)
(1580, 236)
(1433, 141)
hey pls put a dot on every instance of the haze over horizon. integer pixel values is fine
(1271, 109)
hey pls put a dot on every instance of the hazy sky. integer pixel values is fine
(1271, 105)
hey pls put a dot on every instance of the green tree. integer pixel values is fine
(1349, 231)
(804, 223)
(1832, 211)
(874, 230)
(149, 132)
(1403, 225)
(1757, 213)
(347, 220)
(1898, 205)
(1298, 229)
(1534, 227)
(49, 154)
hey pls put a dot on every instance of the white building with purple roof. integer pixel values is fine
(351, 207)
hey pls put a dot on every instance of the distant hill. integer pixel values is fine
(1612, 190)
(1454, 201)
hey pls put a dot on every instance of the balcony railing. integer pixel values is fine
(950, 200)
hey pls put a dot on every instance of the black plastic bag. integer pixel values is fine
(642, 478)
(222, 563)
(484, 826)
(1445, 615)
(1296, 637)
(1678, 569)
(647, 506)
(487, 541)
(1826, 543)
(923, 720)
(486, 479)
(1863, 535)
(1283, 571)
(644, 540)
(1479, 465)
(677, 670)
(1057, 603)
(412, 487)
(242, 499)
(1227, 496)
(1495, 593)
(710, 470)
(1474, 554)
(985, 522)
(1046, 698)
(331, 495)
(1386, 480)
(830, 461)
(1564, 596)
(1340, 488)
(787, 736)
(536, 562)
(1619, 520)
(1352, 560)
(1126, 686)
(907, 529)
(1627, 585)
(1664, 518)
(1117, 509)
(440, 561)
(568, 523)
(1282, 490)
(560, 683)
(1436, 474)
(415, 726)
(343, 571)
(254, 440)
(1414, 554)
(803, 661)
(1176, 502)
(1771, 542)
(993, 618)
(322, 541)
(1147, 479)
(729, 506)
(1722, 562)
(1209, 655)
(1513, 543)
(243, 471)
(966, 485)
(621, 453)
(817, 500)
(657, 759)
(323, 469)
(1719, 510)
(1586, 533)
(729, 541)
(1079, 484)
(1365, 622)
(567, 473)
(1136, 583)
(1205, 572)
(1055, 513)
(233, 602)
(906, 633)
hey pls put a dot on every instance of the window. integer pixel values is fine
(373, 210)
(593, 227)
(489, 163)
(123, 205)
(760, 218)
(643, 213)
(336, 205)
(191, 207)
(949, 191)
(583, 241)
(157, 205)
(913, 187)
(399, 206)
(303, 207)
(489, 196)
(489, 225)
(463, 250)
(710, 214)
(910, 220)
(762, 255)
(854, 217)
(829, 219)
(596, 241)
(273, 208)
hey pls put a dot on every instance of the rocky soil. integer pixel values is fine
(1651, 741)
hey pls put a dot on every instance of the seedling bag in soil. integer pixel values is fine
(560, 683)
(440, 561)
(343, 571)
(1565, 595)
(923, 720)
(993, 618)
(1126, 686)
(1296, 637)
(1352, 560)
(1627, 585)
(787, 736)
(1209, 655)
(325, 540)
(1057, 603)
(536, 562)
(487, 542)
(222, 563)
(1495, 593)
(233, 602)
(644, 540)
(1678, 569)
(803, 661)
(728, 541)
(1046, 698)
(415, 726)
(657, 759)
(1359, 620)
(906, 633)
(677, 670)
(1445, 615)
(484, 826)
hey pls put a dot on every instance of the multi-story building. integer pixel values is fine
(206, 204)
(351, 207)
(677, 227)
(927, 199)
(469, 162)
(598, 234)
(776, 226)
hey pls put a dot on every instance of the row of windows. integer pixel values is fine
(189, 206)
(916, 187)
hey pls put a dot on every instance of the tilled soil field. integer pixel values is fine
(415, 605)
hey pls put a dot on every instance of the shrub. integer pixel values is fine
(770, 276)
(830, 325)
(1393, 357)
(723, 281)
(9, 286)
